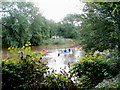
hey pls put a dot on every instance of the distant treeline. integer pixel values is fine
(97, 28)
(22, 22)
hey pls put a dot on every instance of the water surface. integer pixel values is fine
(53, 60)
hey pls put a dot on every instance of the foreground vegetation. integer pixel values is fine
(97, 29)
(27, 71)
(24, 70)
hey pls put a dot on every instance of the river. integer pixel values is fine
(52, 58)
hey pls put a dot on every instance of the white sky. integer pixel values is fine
(58, 9)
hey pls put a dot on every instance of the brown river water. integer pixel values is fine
(52, 58)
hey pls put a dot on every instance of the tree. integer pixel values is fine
(15, 25)
(74, 19)
(16, 22)
(68, 28)
(113, 9)
(53, 28)
(23, 22)
(100, 28)
(36, 31)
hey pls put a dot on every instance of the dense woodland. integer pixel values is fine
(22, 22)
(96, 29)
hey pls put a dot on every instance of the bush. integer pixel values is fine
(24, 71)
(59, 81)
(27, 71)
(90, 71)
(110, 83)
(114, 63)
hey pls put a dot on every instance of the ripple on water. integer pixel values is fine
(62, 62)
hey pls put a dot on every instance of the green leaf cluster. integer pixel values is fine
(24, 71)
(22, 22)
(60, 81)
(100, 28)
(92, 70)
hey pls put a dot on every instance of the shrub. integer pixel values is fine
(110, 83)
(23, 71)
(59, 81)
(114, 63)
(90, 71)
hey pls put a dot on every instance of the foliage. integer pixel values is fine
(68, 31)
(22, 22)
(91, 70)
(73, 19)
(100, 28)
(26, 71)
(40, 30)
(114, 5)
(114, 63)
(53, 28)
(60, 81)
(110, 83)
(97, 29)
(57, 41)
(15, 22)
(69, 26)
(23, 71)
(100, 31)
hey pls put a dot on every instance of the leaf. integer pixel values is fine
(26, 45)
(114, 11)
(111, 4)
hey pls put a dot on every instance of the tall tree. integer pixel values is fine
(53, 28)
(15, 23)
(23, 22)
(68, 28)
(40, 30)
(100, 28)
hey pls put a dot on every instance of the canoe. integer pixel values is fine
(64, 50)
(44, 51)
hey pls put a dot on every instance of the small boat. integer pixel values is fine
(65, 51)
(76, 47)
(44, 50)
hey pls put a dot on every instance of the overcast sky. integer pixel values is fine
(57, 9)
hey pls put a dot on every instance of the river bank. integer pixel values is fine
(58, 41)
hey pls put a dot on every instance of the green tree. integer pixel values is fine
(69, 27)
(40, 30)
(53, 28)
(74, 19)
(100, 28)
(16, 21)
(22, 22)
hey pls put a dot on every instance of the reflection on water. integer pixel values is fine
(54, 60)
(64, 60)
(5, 52)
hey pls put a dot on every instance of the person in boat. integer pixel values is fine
(69, 50)
(65, 50)
(58, 54)
(61, 51)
